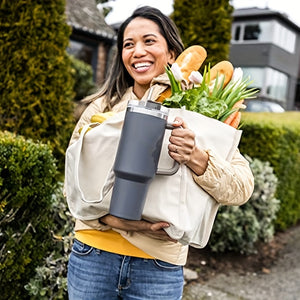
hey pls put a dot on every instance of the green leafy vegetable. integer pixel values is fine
(216, 102)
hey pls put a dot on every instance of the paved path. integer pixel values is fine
(282, 283)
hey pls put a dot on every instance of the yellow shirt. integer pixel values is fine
(110, 241)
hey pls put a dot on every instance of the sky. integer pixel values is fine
(123, 8)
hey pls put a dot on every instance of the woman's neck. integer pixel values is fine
(140, 91)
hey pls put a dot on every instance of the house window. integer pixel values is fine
(276, 84)
(252, 32)
(256, 76)
(82, 51)
(284, 37)
(264, 32)
(237, 33)
(271, 83)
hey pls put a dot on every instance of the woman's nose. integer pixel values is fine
(139, 50)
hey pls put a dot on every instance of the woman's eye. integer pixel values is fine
(149, 41)
(127, 45)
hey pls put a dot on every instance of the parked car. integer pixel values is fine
(263, 106)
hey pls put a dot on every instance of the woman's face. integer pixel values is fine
(145, 53)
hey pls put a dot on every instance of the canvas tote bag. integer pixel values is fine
(176, 199)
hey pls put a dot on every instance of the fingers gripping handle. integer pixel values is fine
(175, 167)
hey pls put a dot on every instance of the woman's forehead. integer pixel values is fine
(141, 26)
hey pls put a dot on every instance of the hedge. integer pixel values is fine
(275, 137)
(27, 182)
(36, 84)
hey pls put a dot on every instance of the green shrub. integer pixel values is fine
(50, 279)
(36, 85)
(239, 228)
(82, 74)
(276, 138)
(27, 182)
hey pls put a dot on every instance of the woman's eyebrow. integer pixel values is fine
(144, 36)
(128, 39)
(150, 34)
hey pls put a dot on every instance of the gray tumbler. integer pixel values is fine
(137, 157)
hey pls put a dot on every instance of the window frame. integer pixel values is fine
(280, 35)
(269, 75)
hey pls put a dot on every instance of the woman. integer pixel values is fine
(114, 258)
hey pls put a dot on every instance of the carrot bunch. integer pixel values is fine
(217, 93)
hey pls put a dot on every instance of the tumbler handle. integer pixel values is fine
(176, 165)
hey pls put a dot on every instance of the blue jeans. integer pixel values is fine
(99, 275)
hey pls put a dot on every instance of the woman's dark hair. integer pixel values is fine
(118, 78)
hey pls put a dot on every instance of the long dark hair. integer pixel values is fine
(118, 79)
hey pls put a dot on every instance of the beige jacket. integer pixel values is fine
(228, 183)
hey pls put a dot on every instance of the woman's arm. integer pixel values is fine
(229, 183)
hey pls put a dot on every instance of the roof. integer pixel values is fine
(86, 17)
(253, 11)
(262, 13)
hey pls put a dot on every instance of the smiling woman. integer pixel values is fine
(115, 258)
(145, 53)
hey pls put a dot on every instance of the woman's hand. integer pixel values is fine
(154, 230)
(182, 148)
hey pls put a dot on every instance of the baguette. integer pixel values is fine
(189, 60)
(222, 69)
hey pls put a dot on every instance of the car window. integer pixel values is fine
(263, 106)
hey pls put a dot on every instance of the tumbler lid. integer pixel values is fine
(149, 107)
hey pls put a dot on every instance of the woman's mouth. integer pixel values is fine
(142, 67)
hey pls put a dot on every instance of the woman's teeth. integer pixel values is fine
(141, 65)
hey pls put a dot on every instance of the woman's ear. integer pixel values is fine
(172, 57)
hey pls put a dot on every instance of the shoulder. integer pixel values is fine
(94, 107)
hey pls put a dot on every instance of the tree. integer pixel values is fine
(36, 85)
(105, 6)
(206, 23)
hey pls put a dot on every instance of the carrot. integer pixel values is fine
(236, 121)
(238, 104)
(235, 118)
(164, 95)
(231, 117)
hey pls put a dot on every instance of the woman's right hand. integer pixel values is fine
(154, 230)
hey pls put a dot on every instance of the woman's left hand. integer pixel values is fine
(182, 142)
(182, 148)
(154, 230)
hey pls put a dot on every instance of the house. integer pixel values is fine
(92, 40)
(266, 44)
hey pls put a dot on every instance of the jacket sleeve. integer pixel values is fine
(229, 183)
